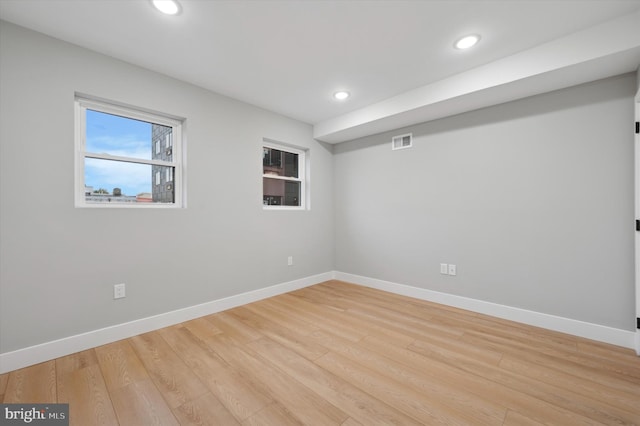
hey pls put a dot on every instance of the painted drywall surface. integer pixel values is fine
(59, 263)
(532, 200)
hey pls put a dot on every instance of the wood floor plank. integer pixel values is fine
(177, 382)
(205, 411)
(32, 384)
(426, 407)
(372, 295)
(621, 377)
(605, 350)
(536, 400)
(516, 419)
(233, 391)
(4, 379)
(140, 403)
(347, 317)
(620, 361)
(351, 422)
(525, 334)
(76, 361)
(120, 365)
(310, 313)
(401, 323)
(87, 395)
(444, 398)
(350, 399)
(303, 403)
(457, 349)
(628, 370)
(575, 384)
(273, 414)
(471, 376)
(233, 327)
(202, 326)
(453, 319)
(340, 354)
(324, 298)
(280, 315)
(290, 338)
(585, 398)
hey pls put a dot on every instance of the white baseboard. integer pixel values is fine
(20, 358)
(591, 331)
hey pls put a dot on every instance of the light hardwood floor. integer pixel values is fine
(340, 354)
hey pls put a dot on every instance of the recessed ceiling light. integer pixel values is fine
(341, 96)
(168, 7)
(467, 41)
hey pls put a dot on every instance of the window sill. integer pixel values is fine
(290, 208)
(128, 206)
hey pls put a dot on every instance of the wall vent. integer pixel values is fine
(402, 141)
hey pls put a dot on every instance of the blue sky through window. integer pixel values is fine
(120, 136)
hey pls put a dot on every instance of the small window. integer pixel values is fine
(402, 141)
(283, 177)
(120, 161)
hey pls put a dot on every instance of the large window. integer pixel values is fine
(126, 157)
(283, 177)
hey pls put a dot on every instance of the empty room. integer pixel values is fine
(322, 212)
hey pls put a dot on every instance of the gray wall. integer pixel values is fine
(58, 264)
(532, 200)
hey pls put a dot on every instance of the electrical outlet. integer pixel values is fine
(290, 261)
(452, 269)
(444, 268)
(119, 291)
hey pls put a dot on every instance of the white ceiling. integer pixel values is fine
(395, 57)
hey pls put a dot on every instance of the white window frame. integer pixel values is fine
(302, 174)
(401, 137)
(82, 104)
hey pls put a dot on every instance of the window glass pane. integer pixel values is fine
(108, 181)
(163, 192)
(292, 193)
(279, 163)
(277, 192)
(127, 137)
(115, 135)
(291, 164)
(162, 135)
